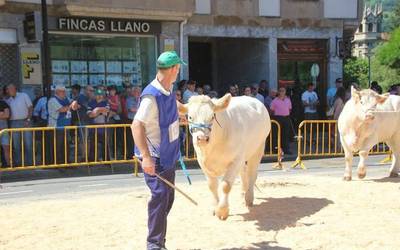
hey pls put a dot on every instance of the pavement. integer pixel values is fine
(68, 186)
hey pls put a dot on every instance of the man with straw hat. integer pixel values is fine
(155, 131)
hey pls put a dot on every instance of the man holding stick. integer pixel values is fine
(155, 131)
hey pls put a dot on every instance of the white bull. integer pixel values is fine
(229, 137)
(367, 119)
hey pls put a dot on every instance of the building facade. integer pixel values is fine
(91, 42)
(369, 32)
(225, 41)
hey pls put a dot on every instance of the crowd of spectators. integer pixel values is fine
(111, 105)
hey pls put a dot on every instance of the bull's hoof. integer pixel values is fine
(393, 175)
(362, 175)
(222, 213)
(347, 178)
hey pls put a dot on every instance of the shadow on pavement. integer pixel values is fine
(388, 179)
(260, 246)
(278, 213)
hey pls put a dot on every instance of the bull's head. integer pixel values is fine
(201, 112)
(366, 101)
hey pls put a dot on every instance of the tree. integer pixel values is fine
(356, 70)
(393, 19)
(389, 53)
(386, 62)
(384, 75)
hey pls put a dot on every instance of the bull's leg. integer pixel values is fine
(394, 146)
(244, 179)
(394, 169)
(252, 167)
(363, 153)
(361, 169)
(213, 186)
(348, 156)
(225, 186)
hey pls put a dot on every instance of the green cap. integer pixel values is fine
(168, 59)
(99, 92)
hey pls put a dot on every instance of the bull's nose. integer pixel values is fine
(203, 138)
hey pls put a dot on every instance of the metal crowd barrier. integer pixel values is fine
(73, 146)
(320, 138)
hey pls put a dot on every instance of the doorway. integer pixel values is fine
(295, 59)
(200, 62)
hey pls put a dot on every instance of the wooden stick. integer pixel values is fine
(176, 188)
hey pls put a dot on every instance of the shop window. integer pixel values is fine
(94, 60)
(203, 7)
(269, 8)
(334, 9)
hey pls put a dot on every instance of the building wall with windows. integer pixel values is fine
(91, 42)
(262, 35)
(299, 24)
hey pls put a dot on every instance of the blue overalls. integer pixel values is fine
(162, 196)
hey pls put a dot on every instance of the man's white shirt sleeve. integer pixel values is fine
(148, 114)
(148, 110)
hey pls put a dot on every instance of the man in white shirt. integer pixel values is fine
(190, 91)
(21, 113)
(310, 102)
(156, 134)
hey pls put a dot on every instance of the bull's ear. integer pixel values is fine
(182, 108)
(222, 103)
(355, 94)
(382, 98)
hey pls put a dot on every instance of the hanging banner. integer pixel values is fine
(31, 66)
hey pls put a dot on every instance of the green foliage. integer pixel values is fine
(356, 70)
(385, 66)
(393, 20)
(384, 75)
(388, 54)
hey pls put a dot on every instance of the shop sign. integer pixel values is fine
(31, 65)
(107, 25)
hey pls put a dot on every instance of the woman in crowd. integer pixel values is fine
(340, 99)
(281, 107)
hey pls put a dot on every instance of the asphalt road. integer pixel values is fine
(71, 187)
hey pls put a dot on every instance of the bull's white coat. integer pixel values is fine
(234, 145)
(367, 119)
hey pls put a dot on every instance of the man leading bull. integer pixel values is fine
(155, 131)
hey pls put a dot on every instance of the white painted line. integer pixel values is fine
(17, 192)
(93, 185)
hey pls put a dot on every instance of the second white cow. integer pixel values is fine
(229, 138)
(367, 119)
